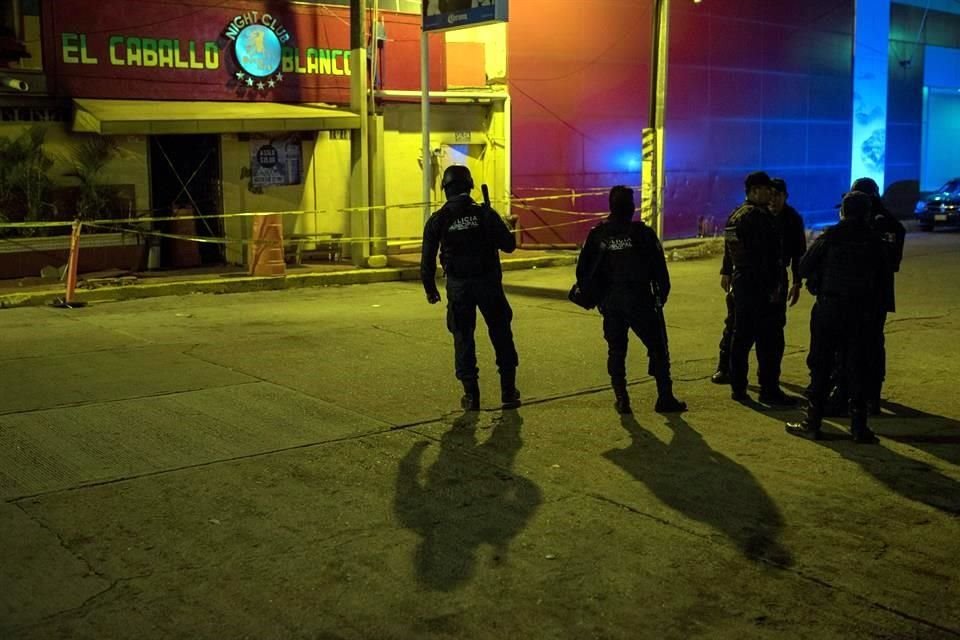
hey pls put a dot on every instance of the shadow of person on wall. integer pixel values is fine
(471, 497)
(704, 485)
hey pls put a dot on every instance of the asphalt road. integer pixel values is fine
(290, 464)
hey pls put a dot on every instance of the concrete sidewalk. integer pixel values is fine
(234, 279)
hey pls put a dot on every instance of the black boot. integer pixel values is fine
(622, 403)
(862, 434)
(509, 394)
(471, 395)
(809, 427)
(720, 376)
(774, 396)
(666, 401)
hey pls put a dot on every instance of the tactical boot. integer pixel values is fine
(720, 376)
(509, 394)
(669, 404)
(862, 434)
(471, 396)
(622, 403)
(666, 401)
(809, 428)
(774, 396)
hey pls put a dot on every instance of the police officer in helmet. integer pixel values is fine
(847, 268)
(469, 236)
(623, 266)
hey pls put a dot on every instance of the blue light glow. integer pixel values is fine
(871, 35)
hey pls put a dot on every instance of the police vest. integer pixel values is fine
(466, 249)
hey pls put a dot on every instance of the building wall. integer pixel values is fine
(752, 85)
(324, 191)
(476, 129)
(906, 81)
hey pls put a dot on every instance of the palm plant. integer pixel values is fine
(89, 160)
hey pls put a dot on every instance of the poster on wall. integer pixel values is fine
(444, 15)
(275, 162)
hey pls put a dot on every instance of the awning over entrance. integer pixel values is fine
(151, 117)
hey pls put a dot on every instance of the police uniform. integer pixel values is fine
(752, 258)
(793, 244)
(469, 237)
(892, 232)
(847, 268)
(626, 262)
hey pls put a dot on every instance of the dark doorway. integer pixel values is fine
(185, 174)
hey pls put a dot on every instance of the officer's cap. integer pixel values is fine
(779, 185)
(757, 179)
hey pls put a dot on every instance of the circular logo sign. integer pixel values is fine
(267, 156)
(258, 51)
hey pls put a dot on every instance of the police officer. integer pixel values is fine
(623, 262)
(752, 272)
(847, 268)
(893, 234)
(793, 244)
(469, 236)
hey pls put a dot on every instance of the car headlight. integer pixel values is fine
(921, 206)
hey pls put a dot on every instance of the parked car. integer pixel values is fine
(941, 207)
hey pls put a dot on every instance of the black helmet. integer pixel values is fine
(456, 175)
(855, 206)
(866, 185)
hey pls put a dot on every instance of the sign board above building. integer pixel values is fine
(444, 15)
(249, 50)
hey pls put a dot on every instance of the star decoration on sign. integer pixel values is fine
(280, 77)
(261, 86)
(241, 75)
(249, 82)
(271, 83)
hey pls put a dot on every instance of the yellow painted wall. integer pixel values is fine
(129, 165)
(479, 126)
(324, 191)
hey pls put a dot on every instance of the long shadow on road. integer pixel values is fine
(912, 479)
(704, 485)
(471, 497)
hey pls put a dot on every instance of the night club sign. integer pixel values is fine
(263, 51)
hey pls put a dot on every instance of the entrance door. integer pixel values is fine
(185, 174)
(468, 155)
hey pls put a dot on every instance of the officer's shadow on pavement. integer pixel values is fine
(471, 497)
(705, 485)
(913, 479)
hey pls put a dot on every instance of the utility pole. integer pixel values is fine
(653, 135)
(359, 138)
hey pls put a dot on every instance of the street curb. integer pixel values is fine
(248, 283)
(677, 250)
